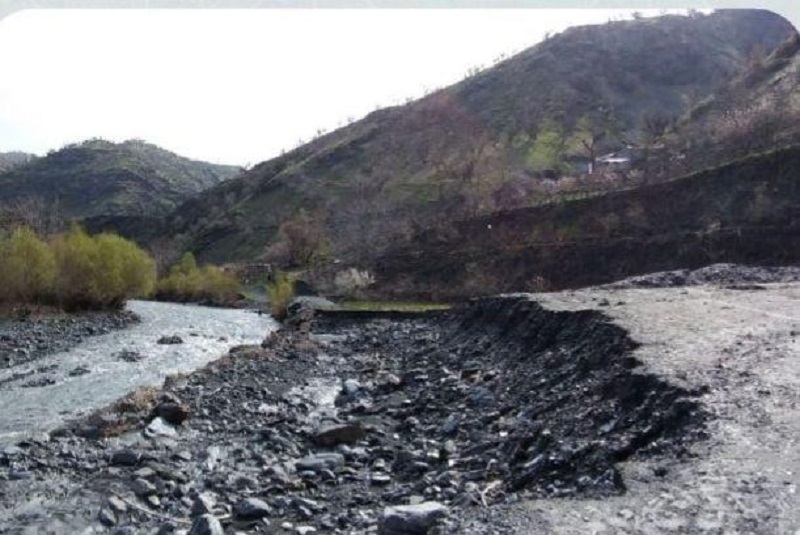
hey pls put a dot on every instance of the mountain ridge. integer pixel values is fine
(467, 149)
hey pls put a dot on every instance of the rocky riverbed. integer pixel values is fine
(30, 338)
(396, 425)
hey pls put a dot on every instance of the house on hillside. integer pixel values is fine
(622, 159)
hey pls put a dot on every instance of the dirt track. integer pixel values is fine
(744, 346)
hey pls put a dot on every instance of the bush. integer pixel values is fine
(27, 268)
(280, 292)
(188, 283)
(100, 272)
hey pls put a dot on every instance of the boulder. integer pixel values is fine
(332, 435)
(172, 412)
(251, 509)
(410, 519)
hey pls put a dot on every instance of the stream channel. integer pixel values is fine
(41, 395)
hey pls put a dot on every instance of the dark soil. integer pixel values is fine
(488, 404)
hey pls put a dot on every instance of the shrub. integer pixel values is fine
(100, 272)
(186, 282)
(280, 292)
(27, 267)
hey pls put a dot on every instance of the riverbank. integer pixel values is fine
(36, 336)
(456, 412)
(606, 410)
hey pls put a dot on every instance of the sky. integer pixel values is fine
(239, 86)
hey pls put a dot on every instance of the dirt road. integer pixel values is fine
(743, 348)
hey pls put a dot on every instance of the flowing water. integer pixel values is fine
(207, 334)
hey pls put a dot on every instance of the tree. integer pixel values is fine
(305, 239)
(548, 149)
(592, 131)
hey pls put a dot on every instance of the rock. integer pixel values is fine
(170, 340)
(125, 457)
(142, 487)
(172, 412)
(159, 428)
(206, 525)
(117, 504)
(80, 370)
(350, 388)
(304, 530)
(320, 461)
(107, 517)
(380, 479)
(333, 435)
(251, 509)
(408, 519)
(127, 355)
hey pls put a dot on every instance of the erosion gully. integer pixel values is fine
(393, 424)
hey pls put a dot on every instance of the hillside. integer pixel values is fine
(12, 160)
(478, 146)
(101, 178)
(743, 212)
(758, 110)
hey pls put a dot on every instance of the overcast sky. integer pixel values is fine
(238, 86)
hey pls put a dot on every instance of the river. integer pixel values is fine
(207, 334)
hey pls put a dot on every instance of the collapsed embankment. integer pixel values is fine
(499, 400)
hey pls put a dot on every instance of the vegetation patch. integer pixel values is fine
(73, 271)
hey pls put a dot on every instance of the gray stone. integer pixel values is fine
(409, 519)
(206, 525)
(320, 461)
(142, 487)
(251, 509)
(117, 504)
(332, 435)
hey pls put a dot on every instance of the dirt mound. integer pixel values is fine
(718, 274)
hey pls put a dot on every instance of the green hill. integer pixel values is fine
(101, 178)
